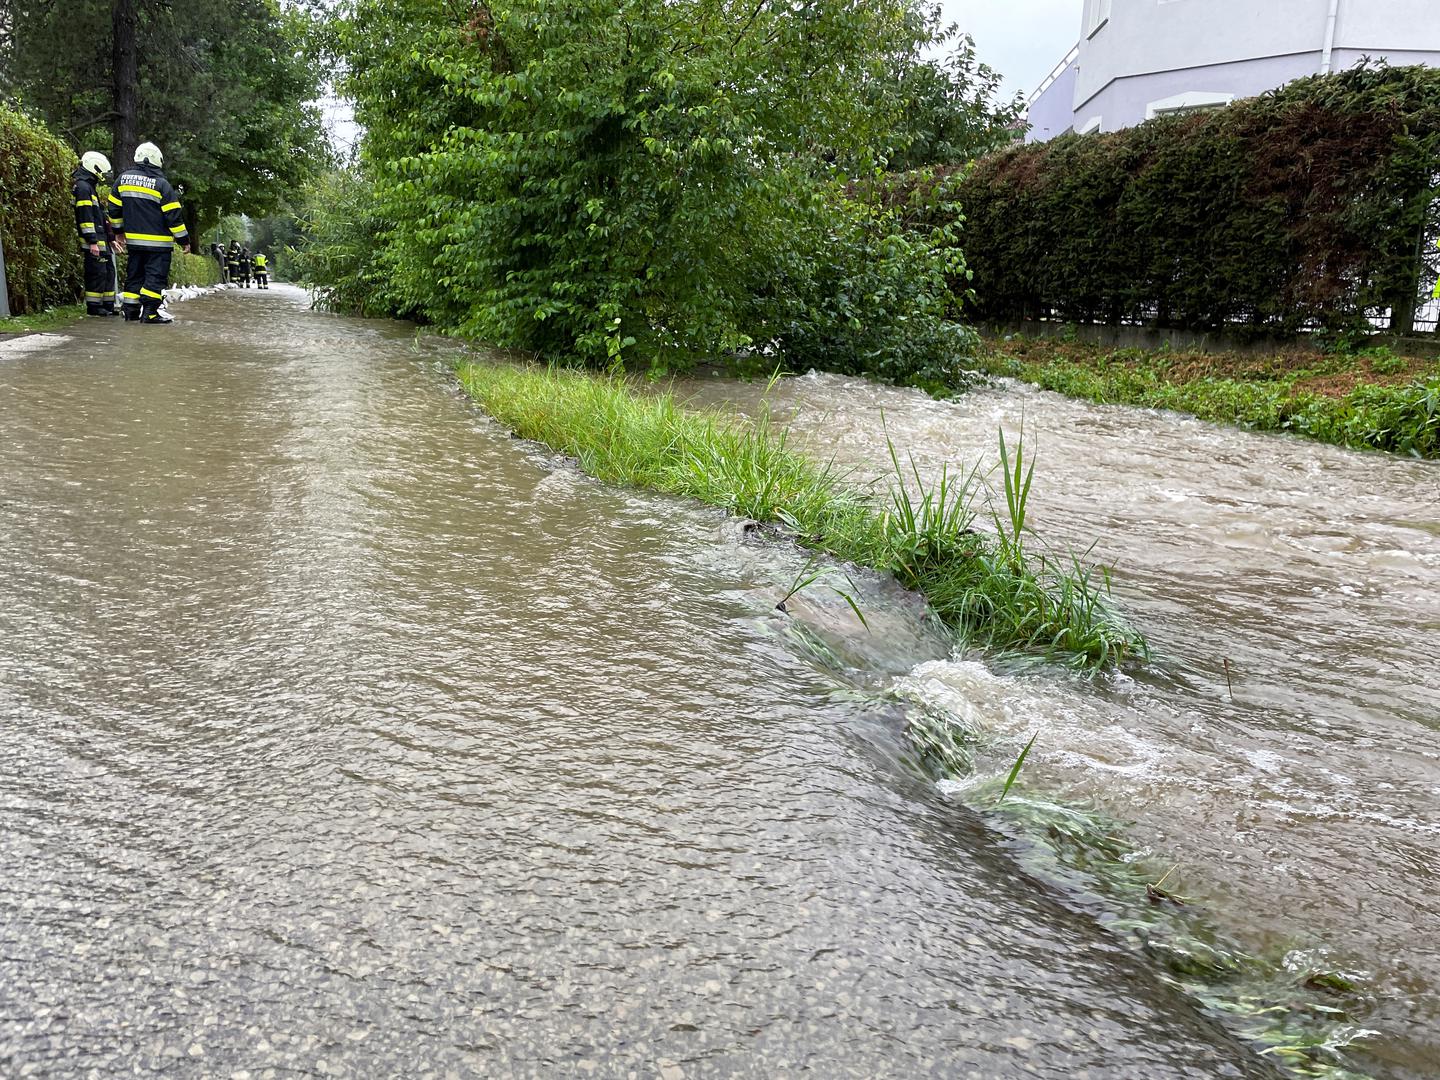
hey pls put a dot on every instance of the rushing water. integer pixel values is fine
(344, 735)
(1304, 810)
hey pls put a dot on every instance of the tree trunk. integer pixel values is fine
(126, 73)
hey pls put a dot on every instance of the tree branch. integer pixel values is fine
(91, 122)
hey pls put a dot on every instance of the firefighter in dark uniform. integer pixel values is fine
(146, 214)
(90, 224)
(232, 263)
(245, 266)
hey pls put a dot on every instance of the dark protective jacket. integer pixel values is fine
(145, 208)
(89, 214)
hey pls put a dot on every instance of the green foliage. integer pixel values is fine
(225, 89)
(50, 319)
(192, 269)
(37, 221)
(989, 591)
(337, 255)
(638, 182)
(950, 109)
(1383, 360)
(1303, 207)
(843, 282)
(1402, 419)
(229, 227)
(274, 233)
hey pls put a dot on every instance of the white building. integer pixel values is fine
(1140, 58)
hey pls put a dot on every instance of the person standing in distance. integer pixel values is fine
(146, 214)
(94, 168)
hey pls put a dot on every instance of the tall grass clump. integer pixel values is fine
(992, 590)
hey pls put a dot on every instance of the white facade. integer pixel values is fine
(1140, 58)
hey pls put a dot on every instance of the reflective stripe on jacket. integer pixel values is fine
(89, 215)
(145, 208)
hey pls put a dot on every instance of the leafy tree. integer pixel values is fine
(589, 178)
(951, 109)
(224, 89)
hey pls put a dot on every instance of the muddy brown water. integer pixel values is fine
(1304, 811)
(344, 735)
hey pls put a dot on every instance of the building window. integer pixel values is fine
(1099, 16)
(1194, 101)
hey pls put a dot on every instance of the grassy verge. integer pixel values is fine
(49, 319)
(993, 589)
(1373, 399)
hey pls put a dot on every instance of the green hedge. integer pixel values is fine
(37, 221)
(194, 269)
(1306, 206)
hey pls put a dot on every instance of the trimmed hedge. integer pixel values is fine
(1308, 206)
(37, 220)
(194, 269)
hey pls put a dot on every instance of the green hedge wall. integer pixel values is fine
(37, 220)
(194, 269)
(1308, 206)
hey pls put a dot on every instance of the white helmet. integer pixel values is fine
(95, 163)
(149, 154)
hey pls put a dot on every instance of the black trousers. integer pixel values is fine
(146, 272)
(99, 279)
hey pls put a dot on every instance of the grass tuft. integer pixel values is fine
(992, 591)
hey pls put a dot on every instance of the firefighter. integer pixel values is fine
(146, 214)
(262, 271)
(94, 167)
(217, 252)
(245, 265)
(232, 263)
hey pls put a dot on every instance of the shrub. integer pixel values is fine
(640, 184)
(37, 221)
(194, 269)
(342, 253)
(842, 285)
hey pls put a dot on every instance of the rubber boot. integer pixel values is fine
(131, 312)
(155, 317)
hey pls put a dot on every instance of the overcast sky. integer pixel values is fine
(1021, 39)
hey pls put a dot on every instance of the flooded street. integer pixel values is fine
(344, 736)
(1305, 811)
